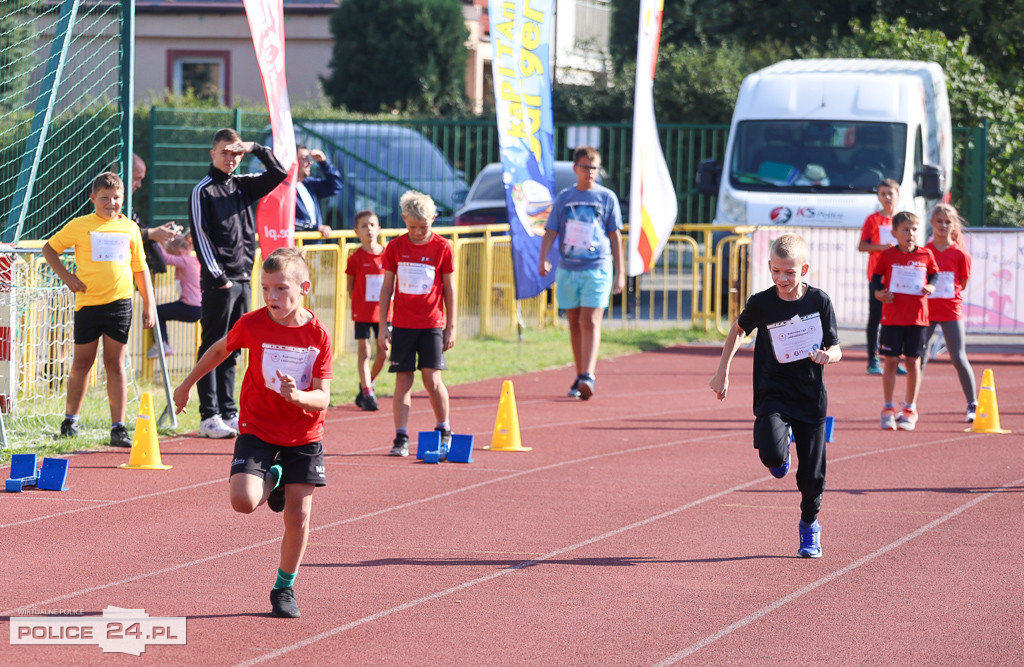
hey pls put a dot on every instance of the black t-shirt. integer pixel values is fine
(796, 389)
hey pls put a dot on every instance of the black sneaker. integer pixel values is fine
(574, 390)
(401, 445)
(586, 386)
(446, 443)
(69, 428)
(275, 501)
(359, 398)
(119, 437)
(369, 403)
(283, 603)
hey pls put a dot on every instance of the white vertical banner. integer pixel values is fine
(275, 215)
(652, 197)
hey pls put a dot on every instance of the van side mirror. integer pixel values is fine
(929, 182)
(709, 175)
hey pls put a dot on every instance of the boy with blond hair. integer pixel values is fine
(108, 257)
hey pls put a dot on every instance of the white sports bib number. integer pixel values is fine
(907, 280)
(414, 278)
(795, 339)
(294, 361)
(945, 287)
(579, 235)
(373, 284)
(885, 236)
(110, 246)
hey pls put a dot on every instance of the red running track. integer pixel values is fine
(641, 530)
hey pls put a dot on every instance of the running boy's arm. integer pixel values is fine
(145, 285)
(545, 248)
(351, 285)
(882, 293)
(314, 399)
(387, 289)
(217, 353)
(448, 294)
(720, 382)
(827, 355)
(52, 258)
(617, 262)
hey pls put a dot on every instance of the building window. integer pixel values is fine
(593, 18)
(203, 73)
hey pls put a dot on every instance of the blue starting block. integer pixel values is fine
(428, 448)
(830, 430)
(51, 477)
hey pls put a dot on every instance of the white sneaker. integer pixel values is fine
(153, 352)
(214, 427)
(232, 423)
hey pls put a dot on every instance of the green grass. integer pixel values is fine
(470, 360)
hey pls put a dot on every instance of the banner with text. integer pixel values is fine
(521, 36)
(275, 215)
(652, 197)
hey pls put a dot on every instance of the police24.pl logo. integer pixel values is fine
(118, 630)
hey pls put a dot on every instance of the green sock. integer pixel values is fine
(284, 580)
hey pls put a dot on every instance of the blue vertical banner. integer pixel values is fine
(521, 39)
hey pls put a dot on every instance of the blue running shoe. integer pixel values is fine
(781, 471)
(810, 540)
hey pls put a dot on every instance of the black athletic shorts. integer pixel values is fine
(301, 464)
(364, 329)
(909, 340)
(112, 319)
(408, 344)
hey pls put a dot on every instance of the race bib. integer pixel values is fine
(579, 235)
(795, 339)
(373, 284)
(110, 246)
(414, 278)
(885, 236)
(294, 361)
(907, 280)
(945, 287)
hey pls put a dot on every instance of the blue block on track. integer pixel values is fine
(830, 429)
(461, 449)
(428, 441)
(53, 474)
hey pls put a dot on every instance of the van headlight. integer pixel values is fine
(733, 210)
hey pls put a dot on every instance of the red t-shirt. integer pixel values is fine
(906, 309)
(871, 232)
(369, 274)
(955, 262)
(419, 290)
(303, 352)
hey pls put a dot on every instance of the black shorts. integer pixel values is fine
(112, 319)
(909, 340)
(364, 329)
(408, 344)
(302, 464)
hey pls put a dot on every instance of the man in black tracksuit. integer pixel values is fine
(222, 213)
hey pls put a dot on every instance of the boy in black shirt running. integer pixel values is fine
(796, 336)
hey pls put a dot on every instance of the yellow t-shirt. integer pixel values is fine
(107, 253)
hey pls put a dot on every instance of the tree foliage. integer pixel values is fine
(398, 55)
(16, 62)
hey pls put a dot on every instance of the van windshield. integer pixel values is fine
(816, 156)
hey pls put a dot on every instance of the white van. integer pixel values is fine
(811, 139)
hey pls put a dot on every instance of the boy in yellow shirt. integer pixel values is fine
(108, 256)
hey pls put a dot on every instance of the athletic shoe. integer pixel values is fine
(232, 423)
(283, 603)
(972, 408)
(888, 419)
(119, 437)
(369, 403)
(874, 367)
(586, 386)
(359, 398)
(214, 427)
(446, 443)
(781, 471)
(69, 428)
(401, 445)
(907, 420)
(153, 352)
(275, 501)
(901, 370)
(810, 540)
(574, 390)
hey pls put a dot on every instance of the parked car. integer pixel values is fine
(485, 203)
(378, 162)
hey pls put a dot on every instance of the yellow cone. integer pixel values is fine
(145, 444)
(986, 418)
(506, 426)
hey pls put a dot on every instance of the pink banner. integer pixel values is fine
(275, 216)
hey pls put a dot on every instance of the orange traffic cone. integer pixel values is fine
(986, 418)
(145, 444)
(506, 426)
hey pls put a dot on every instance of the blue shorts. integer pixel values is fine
(589, 288)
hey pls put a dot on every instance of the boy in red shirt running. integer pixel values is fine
(365, 277)
(418, 270)
(903, 279)
(279, 454)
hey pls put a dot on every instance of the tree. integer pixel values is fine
(16, 59)
(398, 55)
